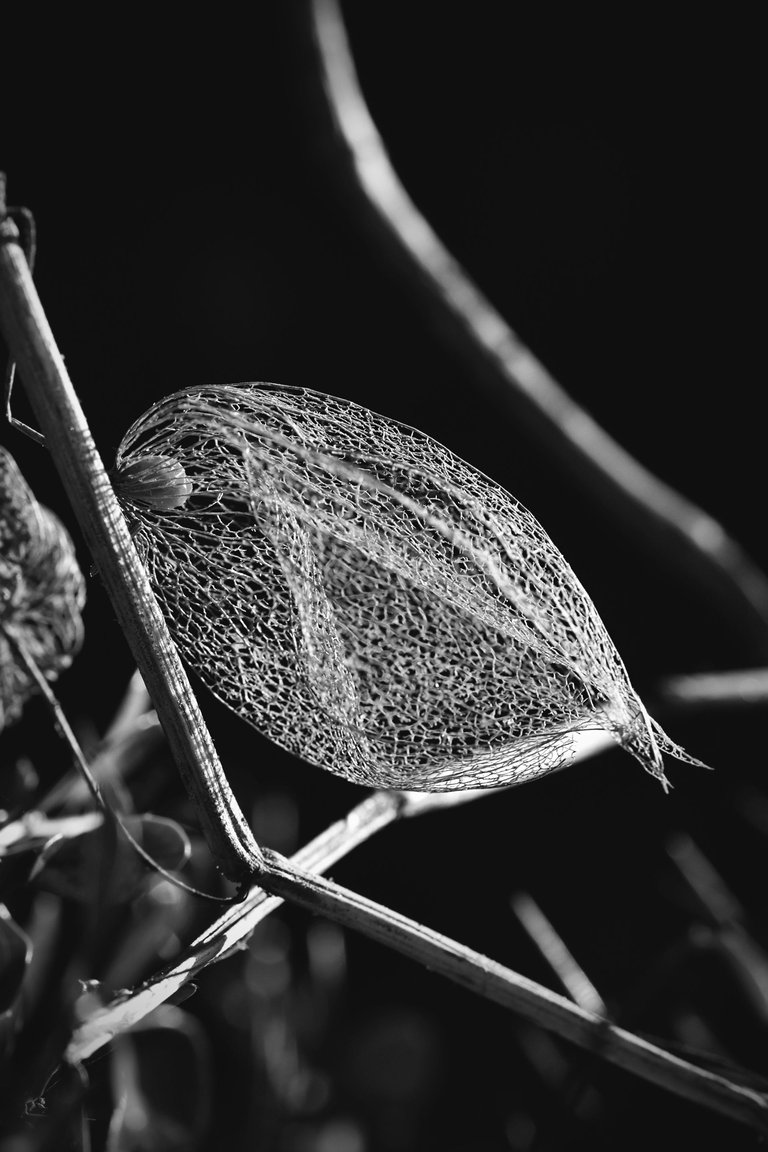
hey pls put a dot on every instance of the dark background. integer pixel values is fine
(601, 182)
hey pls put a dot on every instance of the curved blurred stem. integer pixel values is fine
(679, 533)
(59, 414)
(743, 687)
(557, 955)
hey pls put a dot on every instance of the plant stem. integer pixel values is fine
(289, 880)
(60, 416)
(507, 988)
(233, 927)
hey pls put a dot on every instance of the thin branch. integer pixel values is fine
(133, 733)
(725, 917)
(527, 999)
(680, 533)
(232, 929)
(69, 440)
(557, 954)
(464, 966)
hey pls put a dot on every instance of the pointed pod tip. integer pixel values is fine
(647, 741)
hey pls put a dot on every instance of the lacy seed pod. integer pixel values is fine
(365, 598)
(42, 591)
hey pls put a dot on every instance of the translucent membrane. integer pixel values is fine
(365, 598)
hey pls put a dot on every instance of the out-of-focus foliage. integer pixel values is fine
(160, 1080)
(87, 918)
(15, 950)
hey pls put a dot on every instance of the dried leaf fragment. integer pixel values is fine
(42, 591)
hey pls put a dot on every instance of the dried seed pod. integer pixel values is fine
(156, 481)
(42, 591)
(365, 598)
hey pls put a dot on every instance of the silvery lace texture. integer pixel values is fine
(365, 598)
(42, 591)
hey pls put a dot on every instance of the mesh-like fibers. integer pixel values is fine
(365, 598)
(42, 591)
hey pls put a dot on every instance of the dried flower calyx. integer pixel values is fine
(364, 597)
